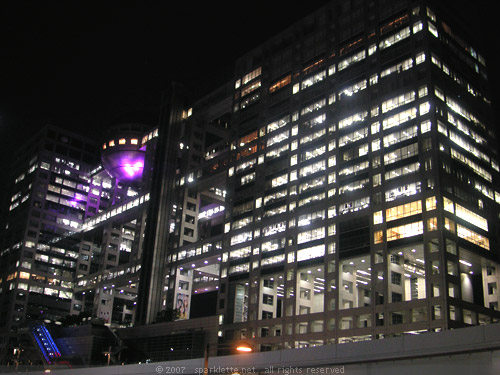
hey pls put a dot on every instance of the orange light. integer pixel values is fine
(244, 347)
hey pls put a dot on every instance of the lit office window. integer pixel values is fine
(405, 231)
(402, 171)
(403, 191)
(355, 283)
(404, 210)
(397, 68)
(313, 168)
(353, 119)
(473, 237)
(406, 266)
(253, 74)
(395, 38)
(313, 107)
(343, 64)
(310, 253)
(278, 124)
(480, 171)
(318, 77)
(311, 235)
(399, 118)
(352, 89)
(398, 101)
(401, 153)
(471, 217)
(353, 206)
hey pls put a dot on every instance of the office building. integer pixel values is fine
(70, 215)
(353, 196)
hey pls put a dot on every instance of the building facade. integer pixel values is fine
(356, 185)
(72, 215)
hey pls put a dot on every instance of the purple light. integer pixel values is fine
(124, 165)
(131, 170)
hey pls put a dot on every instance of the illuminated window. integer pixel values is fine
(355, 168)
(313, 168)
(240, 238)
(275, 153)
(253, 74)
(280, 84)
(122, 141)
(395, 38)
(247, 90)
(404, 210)
(378, 237)
(468, 146)
(311, 199)
(313, 107)
(433, 29)
(248, 138)
(310, 253)
(278, 181)
(312, 136)
(246, 165)
(274, 228)
(311, 235)
(353, 119)
(277, 138)
(398, 101)
(432, 224)
(399, 118)
(352, 89)
(402, 171)
(278, 124)
(404, 231)
(401, 153)
(343, 64)
(353, 206)
(473, 237)
(353, 186)
(471, 217)
(430, 203)
(353, 137)
(312, 184)
(318, 77)
(403, 191)
(312, 153)
(248, 178)
(134, 141)
(242, 222)
(449, 225)
(378, 217)
(111, 143)
(401, 67)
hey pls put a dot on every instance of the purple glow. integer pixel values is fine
(124, 165)
(131, 170)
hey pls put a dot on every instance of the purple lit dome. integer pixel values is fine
(123, 152)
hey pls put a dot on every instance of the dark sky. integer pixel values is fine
(83, 63)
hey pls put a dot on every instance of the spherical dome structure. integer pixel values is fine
(123, 154)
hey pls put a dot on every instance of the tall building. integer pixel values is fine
(72, 215)
(341, 188)
(352, 194)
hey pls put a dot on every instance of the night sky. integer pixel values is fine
(84, 64)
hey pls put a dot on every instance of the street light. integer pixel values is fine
(242, 347)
